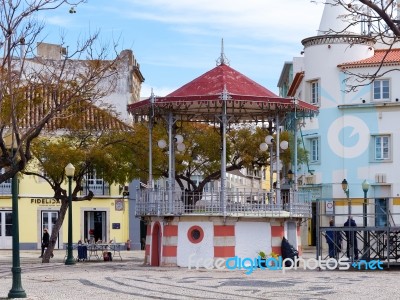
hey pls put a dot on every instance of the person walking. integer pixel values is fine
(45, 241)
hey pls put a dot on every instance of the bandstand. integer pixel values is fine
(181, 233)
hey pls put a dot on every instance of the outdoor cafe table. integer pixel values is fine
(96, 249)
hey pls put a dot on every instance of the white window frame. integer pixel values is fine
(382, 148)
(315, 91)
(379, 87)
(96, 184)
(314, 150)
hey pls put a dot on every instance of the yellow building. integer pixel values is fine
(107, 214)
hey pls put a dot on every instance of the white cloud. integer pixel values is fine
(257, 18)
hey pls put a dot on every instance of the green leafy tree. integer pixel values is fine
(108, 152)
(202, 154)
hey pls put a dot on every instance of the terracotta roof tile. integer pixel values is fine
(390, 58)
(83, 115)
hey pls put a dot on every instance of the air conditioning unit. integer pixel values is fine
(380, 178)
(310, 179)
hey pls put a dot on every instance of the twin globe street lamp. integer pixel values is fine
(69, 172)
(16, 290)
(180, 146)
(269, 141)
(365, 188)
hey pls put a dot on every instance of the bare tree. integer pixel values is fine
(38, 92)
(378, 20)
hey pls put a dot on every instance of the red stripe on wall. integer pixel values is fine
(221, 230)
(171, 230)
(277, 250)
(277, 231)
(224, 251)
(170, 251)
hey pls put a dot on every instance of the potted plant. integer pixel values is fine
(263, 257)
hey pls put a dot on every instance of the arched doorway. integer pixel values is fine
(155, 245)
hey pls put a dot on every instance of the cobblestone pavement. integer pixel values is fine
(129, 279)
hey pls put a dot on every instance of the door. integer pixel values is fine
(49, 219)
(95, 228)
(5, 229)
(155, 245)
(381, 212)
(292, 233)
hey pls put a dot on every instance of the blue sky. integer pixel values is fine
(176, 41)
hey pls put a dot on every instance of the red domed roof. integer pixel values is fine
(203, 97)
(212, 83)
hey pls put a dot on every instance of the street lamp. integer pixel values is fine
(178, 139)
(16, 291)
(290, 176)
(365, 187)
(345, 187)
(69, 172)
(269, 141)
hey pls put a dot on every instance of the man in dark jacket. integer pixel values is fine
(351, 237)
(334, 240)
(45, 241)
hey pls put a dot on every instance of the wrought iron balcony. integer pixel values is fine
(5, 187)
(239, 203)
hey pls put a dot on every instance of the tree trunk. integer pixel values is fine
(55, 231)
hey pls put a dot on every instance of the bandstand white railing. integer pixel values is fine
(257, 203)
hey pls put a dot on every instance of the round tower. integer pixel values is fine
(337, 42)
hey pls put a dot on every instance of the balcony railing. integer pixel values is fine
(239, 203)
(97, 189)
(5, 187)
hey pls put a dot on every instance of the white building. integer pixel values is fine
(355, 136)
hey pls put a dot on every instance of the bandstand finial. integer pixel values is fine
(222, 60)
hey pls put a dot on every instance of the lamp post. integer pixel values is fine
(69, 171)
(16, 290)
(365, 187)
(345, 187)
(178, 139)
(269, 141)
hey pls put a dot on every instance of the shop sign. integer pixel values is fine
(45, 201)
